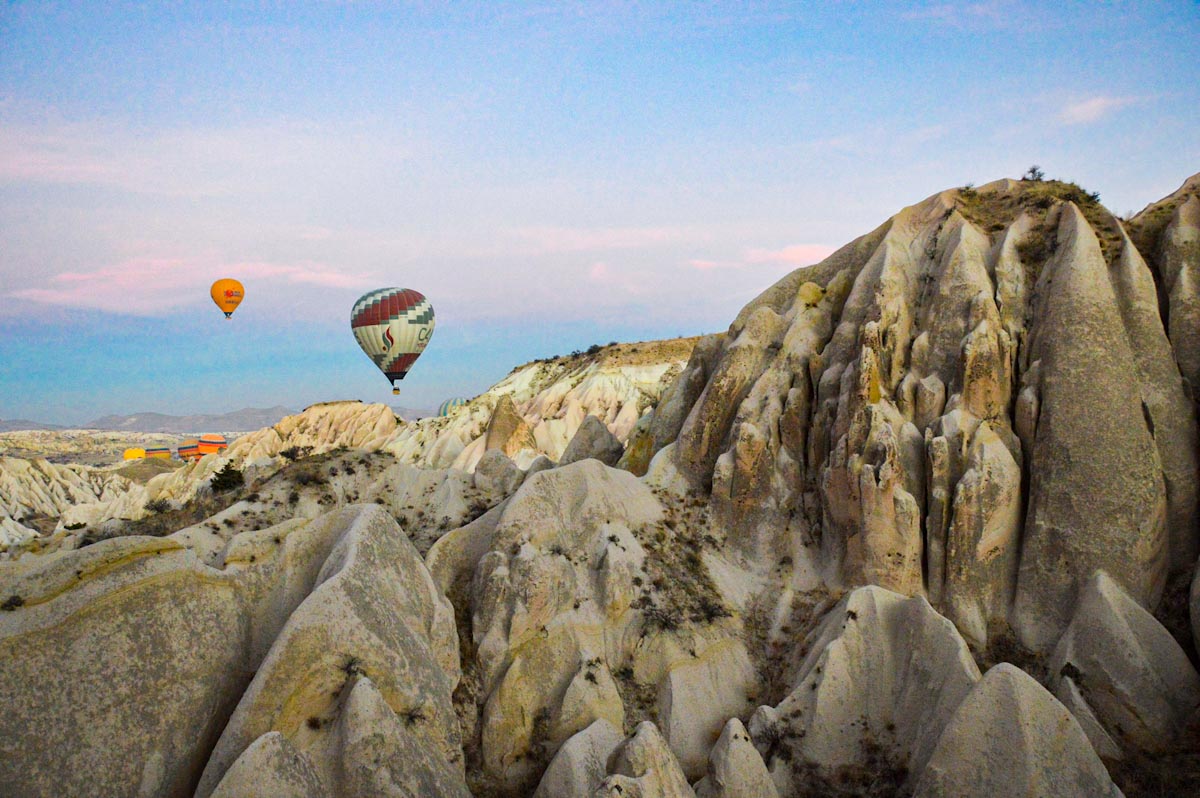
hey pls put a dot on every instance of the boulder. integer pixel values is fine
(1126, 667)
(735, 769)
(645, 767)
(271, 768)
(581, 763)
(496, 476)
(880, 670)
(595, 441)
(1010, 737)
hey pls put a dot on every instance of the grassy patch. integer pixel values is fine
(993, 211)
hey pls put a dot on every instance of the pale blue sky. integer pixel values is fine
(549, 175)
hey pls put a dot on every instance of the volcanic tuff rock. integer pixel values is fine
(569, 588)
(970, 421)
(1124, 671)
(539, 408)
(735, 769)
(39, 487)
(153, 650)
(976, 402)
(880, 669)
(645, 767)
(581, 763)
(1010, 737)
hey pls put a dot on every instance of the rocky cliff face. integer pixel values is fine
(39, 489)
(905, 529)
(977, 403)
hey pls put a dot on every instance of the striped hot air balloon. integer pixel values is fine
(189, 449)
(161, 452)
(210, 444)
(445, 407)
(393, 326)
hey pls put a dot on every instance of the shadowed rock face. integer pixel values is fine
(977, 402)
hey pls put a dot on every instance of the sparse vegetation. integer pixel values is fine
(993, 211)
(157, 506)
(882, 774)
(294, 453)
(309, 476)
(11, 603)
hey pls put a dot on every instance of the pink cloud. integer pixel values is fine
(147, 286)
(795, 255)
(601, 274)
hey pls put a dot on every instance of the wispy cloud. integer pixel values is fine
(148, 286)
(988, 14)
(192, 162)
(603, 275)
(794, 255)
(558, 240)
(1093, 109)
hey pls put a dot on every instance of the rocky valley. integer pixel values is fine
(923, 521)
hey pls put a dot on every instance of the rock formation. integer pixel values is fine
(921, 522)
(536, 411)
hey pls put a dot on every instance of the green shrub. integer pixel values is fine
(157, 506)
(227, 479)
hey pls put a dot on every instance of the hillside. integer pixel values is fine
(921, 522)
(249, 418)
(533, 412)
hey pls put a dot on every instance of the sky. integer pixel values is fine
(549, 175)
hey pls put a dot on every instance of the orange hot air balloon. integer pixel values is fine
(227, 293)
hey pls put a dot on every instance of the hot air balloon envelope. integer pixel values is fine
(227, 293)
(393, 326)
(450, 404)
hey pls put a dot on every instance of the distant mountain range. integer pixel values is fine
(245, 420)
(250, 418)
(21, 424)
